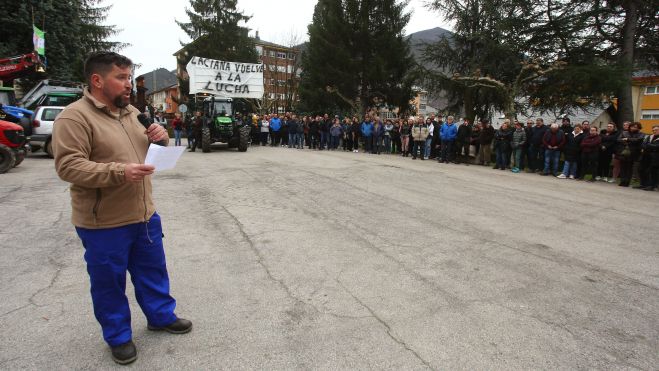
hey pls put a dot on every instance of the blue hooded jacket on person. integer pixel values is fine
(367, 128)
(275, 124)
(448, 132)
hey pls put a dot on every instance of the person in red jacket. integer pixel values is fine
(177, 125)
(553, 141)
(590, 147)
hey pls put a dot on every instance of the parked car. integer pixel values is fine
(42, 128)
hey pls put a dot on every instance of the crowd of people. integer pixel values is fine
(565, 151)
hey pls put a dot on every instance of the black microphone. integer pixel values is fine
(146, 123)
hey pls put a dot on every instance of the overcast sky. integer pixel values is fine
(148, 25)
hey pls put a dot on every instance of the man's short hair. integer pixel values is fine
(102, 62)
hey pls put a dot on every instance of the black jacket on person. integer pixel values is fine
(503, 139)
(292, 126)
(572, 148)
(475, 135)
(464, 133)
(325, 125)
(313, 127)
(634, 141)
(356, 129)
(651, 149)
(529, 135)
(486, 135)
(437, 126)
(537, 134)
(609, 142)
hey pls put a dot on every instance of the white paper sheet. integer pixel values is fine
(163, 158)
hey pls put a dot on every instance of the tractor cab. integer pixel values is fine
(220, 127)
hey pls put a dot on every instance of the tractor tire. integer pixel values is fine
(244, 139)
(20, 156)
(205, 140)
(49, 149)
(7, 158)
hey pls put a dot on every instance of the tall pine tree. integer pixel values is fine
(357, 56)
(73, 29)
(474, 49)
(555, 55)
(217, 30)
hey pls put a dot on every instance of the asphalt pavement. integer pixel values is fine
(297, 259)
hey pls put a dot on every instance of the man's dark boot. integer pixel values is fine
(125, 353)
(180, 326)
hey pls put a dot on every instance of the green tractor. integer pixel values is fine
(221, 126)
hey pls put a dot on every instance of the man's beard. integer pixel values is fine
(119, 101)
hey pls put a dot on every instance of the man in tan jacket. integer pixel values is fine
(99, 148)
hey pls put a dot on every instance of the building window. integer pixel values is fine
(649, 90)
(281, 83)
(650, 114)
(291, 56)
(281, 55)
(272, 53)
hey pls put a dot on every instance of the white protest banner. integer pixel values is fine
(225, 79)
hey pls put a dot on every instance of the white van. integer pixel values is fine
(42, 128)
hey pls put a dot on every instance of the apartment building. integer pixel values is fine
(281, 75)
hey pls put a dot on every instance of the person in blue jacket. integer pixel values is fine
(275, 127)
(367, 133)
(448, 133)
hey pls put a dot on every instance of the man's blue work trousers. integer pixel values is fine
(109, 253)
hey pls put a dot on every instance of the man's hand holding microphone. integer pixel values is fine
(156, 133)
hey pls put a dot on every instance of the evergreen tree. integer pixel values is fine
(535, 52)
(328, 64)
(604, 40)
(72, 29)
(626, 33)
(357, 56)
(473, 50)
(216, 30)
